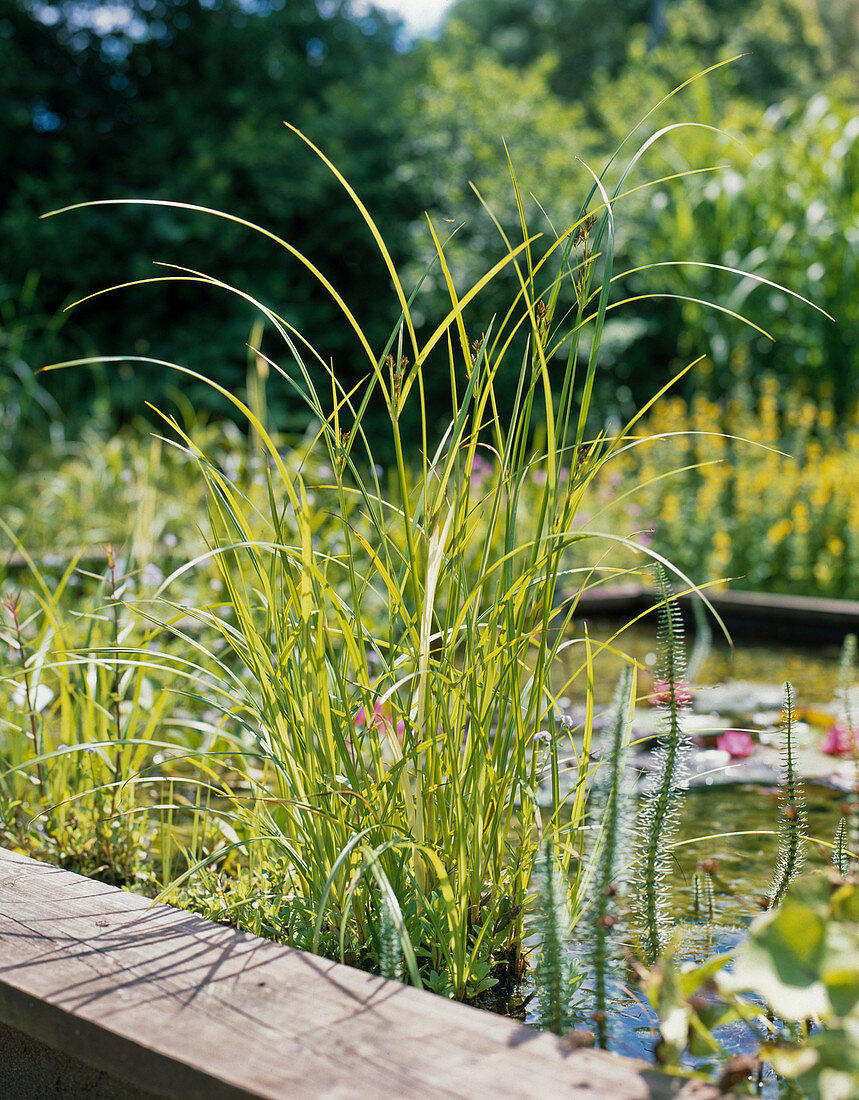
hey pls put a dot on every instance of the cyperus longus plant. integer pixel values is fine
(660, 807)
(383, 658)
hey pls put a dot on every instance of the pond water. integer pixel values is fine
(741, 866)
(730, 825)
(813, 672)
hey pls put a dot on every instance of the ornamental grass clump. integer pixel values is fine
(381, 659)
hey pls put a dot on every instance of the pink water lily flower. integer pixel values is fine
(382, 720)
(839, 742)
(661, 694)
(737, 743)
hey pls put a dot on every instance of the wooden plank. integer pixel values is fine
(185, 1008)
(799, 619)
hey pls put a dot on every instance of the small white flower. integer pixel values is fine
(40, 697)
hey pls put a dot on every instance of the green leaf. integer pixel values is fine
(783, 962)
(790, 1060)
(841, 969)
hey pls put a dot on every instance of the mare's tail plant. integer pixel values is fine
(846, 674)
(663, 796)
(793, 832)
(703, 894)
(556, 975)
(840, 851)
(611, 805)
(390, 949)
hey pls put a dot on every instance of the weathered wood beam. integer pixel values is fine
(150, 1001)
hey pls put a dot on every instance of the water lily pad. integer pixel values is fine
(739, 697)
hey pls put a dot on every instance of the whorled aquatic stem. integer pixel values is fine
(663, 796)
(611, 805)
(390, 951)
(556, 974)
(793, 831)
(840, 852)
(846, 673)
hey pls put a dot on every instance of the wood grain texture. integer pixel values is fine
(185, 1008)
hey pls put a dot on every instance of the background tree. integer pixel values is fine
(183, 99)
(185, 102)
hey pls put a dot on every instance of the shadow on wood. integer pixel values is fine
(105, 995)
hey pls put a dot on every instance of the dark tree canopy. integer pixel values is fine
(789, 43)
(185, 102)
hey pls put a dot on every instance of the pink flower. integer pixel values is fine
(736, 743)
(480, 469)
(381, 720)
(661, 694)
(839, 742)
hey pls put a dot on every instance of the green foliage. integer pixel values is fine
(464, 109)
(686, 1020)
(790, 99)
(803, 961)
(802, 234)
(28, 412)
(190, 103)
(411, 127)
(791, 44)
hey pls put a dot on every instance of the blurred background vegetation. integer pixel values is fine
(183, 100)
